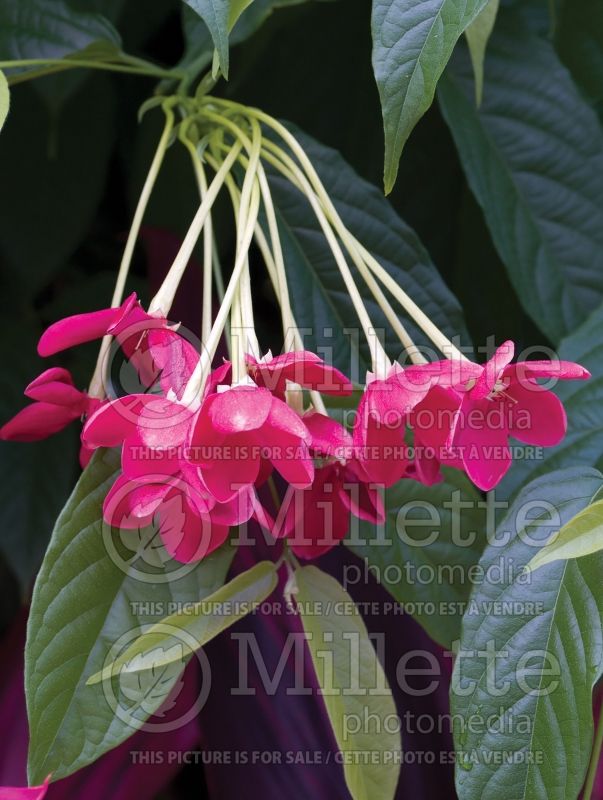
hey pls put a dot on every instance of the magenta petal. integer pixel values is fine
(237, 510)
(232, 469)
(24, 793)
(286, 439)
(186, 535)
(565, 370)
(239, 409)
(538, 418)
(37, 421)
(112, 422)
(130, 321)
(493, 369)
(139, 461)
(220, 376)
(448, 373)
(379, 434)
(322, 521)
(54, 386)
(329, 437)
(52, 375)
(75, 330)
(283, 418)
(483, 448)
(130, 505)
(363, 501)
(173, 357)
(304, 368)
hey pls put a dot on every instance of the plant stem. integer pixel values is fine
(165, 296)
(246, 221)
(431, 330)
(206, 315)
(286, 166)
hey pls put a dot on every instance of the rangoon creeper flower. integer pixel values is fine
(240, 427)
(318, 517)
(157, 481)
(462, 415)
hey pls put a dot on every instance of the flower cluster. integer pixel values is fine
(194, 468)
(199, 438)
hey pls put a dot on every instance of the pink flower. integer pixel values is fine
(154, 348)
(57, 403)
(25, 792)
(301, 367)
(318, 517)
(157, 482)
(239, 428)
(381, 421)
(474, 412)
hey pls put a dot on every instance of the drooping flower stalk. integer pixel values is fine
(208, 238)
(286, 166)
(162, 302)
(431, 330)
(246, 220)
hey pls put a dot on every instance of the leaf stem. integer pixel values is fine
(51, 66)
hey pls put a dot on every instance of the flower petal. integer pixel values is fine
(56, 386)
(317, 519)
(526, 370)
(302, 367)
(483, 447)
(538, 418)
(130, 505)
(187, 535)
(37, 421)
(236, 464)
(239, 409)
(493, 369)
(80, 328)
(329, 437)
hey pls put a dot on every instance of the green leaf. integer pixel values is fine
(183, 632)
(91, 598)
(412, 42)
(582, 536)
(216, 15)
(321, 304)
(477, 35)
(426, 554)
(533, 156)
(583, 402)
(579, 40)
(354, 686)
(32, 29)
(530, 653)
(242, 24)
(4, 99)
